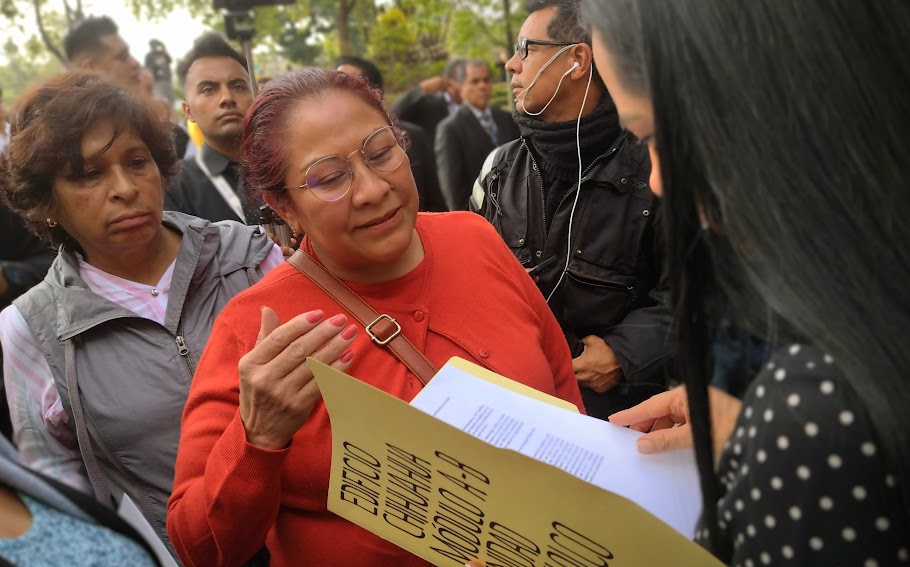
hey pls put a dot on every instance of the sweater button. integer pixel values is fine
(484, 353)
(418, 315)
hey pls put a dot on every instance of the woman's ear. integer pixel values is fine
(279, 205)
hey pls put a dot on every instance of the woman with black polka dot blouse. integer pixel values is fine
(802, 478)
(778, 134)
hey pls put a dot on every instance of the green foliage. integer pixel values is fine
(23, 70)
(409, 39)
(392, 39)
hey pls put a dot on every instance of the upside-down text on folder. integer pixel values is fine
(499, 476)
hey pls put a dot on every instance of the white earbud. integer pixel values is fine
(575, 64)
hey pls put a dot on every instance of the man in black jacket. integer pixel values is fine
(217, 92)
(596, 245)
(466, 137)
(420, 150)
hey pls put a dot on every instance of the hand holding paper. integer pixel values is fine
(658, 417)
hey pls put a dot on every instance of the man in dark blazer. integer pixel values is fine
(420, 146)
(433, 99)
(466, 138)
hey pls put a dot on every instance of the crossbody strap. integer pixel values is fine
(383, 329)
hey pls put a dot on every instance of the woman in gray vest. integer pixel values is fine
(99, 357)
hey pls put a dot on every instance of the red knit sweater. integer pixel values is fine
(468, 298)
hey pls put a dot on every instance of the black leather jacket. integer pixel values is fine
(609, 288)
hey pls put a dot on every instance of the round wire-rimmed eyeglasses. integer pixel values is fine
(331, 177)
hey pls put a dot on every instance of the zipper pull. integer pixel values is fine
(181, 346)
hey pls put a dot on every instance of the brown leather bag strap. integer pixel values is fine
(383, 329)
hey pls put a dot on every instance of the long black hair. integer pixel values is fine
(787, 123)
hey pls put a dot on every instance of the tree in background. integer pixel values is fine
(409, 39)
(52, 25)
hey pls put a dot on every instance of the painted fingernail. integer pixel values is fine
(338, 320)
(349, 333)
(314, 316)
(645, 446)
(348, 356)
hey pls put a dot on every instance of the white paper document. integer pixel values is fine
(131, 514)
(593, 450)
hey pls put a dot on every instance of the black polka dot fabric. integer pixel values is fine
(802, 479)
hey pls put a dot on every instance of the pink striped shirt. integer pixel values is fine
(39, 421)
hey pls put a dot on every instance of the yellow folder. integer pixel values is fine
(449, 497)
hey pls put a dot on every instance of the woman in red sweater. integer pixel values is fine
(255, 447)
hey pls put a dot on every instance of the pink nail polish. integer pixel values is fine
(314, 316)
(347, 357)
(349, 333)
(338, 320)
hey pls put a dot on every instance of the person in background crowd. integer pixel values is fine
(430, 101)
(158, 63)
(812, 467)
(24, 260)
(94, 44)
(44, 522)
(464, 139)
(253, 464)
(99, 356)
(217, 90)
(419, 148)
(596, 243)
(158, 106)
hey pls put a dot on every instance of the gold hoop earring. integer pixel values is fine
(50, 223)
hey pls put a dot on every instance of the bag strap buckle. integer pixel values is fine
(386, 334)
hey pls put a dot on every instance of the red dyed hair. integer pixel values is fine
(267, 121)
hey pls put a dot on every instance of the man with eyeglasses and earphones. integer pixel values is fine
(571, 199)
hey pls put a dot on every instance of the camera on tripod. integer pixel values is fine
(238, 16)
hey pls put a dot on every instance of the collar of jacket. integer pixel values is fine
(596, 172)
(215, 161)
(79, 308)
(555, 145)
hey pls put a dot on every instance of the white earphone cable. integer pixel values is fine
(565, 269)
(521, 96)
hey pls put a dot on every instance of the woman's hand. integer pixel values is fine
(664, 419)
(277, 390)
